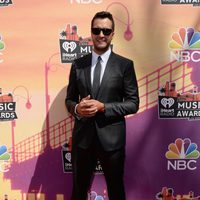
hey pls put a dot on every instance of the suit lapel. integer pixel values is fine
(87, 71)
(106, 75)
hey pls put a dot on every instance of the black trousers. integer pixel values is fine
(84, 162)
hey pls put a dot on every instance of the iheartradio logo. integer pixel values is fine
(167, 102)
(69, 46)
(68, 156)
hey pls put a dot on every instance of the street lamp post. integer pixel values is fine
(47, 97)
(47, 101)
(128, 34)
(13, 139)
(13, 122)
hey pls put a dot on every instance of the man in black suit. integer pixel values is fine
(102, 90)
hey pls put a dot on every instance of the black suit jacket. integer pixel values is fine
(118, 91)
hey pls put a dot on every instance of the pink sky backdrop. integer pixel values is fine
(30, 30)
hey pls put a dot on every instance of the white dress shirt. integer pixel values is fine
(104, 60)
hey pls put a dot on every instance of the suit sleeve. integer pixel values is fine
(72, 97)
(130, 103)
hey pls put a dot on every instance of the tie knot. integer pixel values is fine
(99, 59)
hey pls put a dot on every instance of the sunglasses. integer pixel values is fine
(106, 31)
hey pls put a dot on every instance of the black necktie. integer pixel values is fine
(96, 78)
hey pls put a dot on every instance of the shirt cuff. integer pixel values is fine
(75, 112)
(75, 109)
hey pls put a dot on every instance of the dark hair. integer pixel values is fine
(103, 15)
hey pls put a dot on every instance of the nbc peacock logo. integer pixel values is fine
(2, 46)
(182, 155)
(185, 38)
(185, 45)
(1, 43)
(4, 158)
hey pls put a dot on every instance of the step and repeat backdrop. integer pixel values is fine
(38, 42)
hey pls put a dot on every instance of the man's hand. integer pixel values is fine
(94, 103)
(89, 107)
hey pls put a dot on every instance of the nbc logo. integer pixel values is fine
(4, 156)
(182, 155)
(185, 45)
(1, 48)
(86, 1)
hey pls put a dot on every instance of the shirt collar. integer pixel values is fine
(104, 56)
